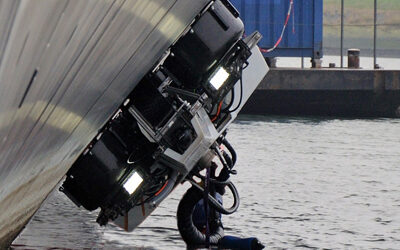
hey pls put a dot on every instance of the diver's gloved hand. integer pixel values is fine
(256, 244)
(231, 242)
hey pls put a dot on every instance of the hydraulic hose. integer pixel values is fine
(231, 150)
(215, 181)
(216, 205)
(189, 232)
(228, 159)
(241, 93)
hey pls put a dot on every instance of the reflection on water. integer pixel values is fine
(304, 182)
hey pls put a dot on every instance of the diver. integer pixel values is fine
(201, 226)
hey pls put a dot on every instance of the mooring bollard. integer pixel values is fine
(353, 58)
(316, 63)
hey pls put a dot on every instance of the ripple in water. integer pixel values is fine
(304, 182)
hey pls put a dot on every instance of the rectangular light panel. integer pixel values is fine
(219, 78)
(133, 183)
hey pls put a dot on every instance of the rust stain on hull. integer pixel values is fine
(19, 206)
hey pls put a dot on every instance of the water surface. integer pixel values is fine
(304, 182)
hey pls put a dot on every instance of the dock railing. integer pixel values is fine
(371, 25)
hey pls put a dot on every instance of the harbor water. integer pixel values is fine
(304, 182)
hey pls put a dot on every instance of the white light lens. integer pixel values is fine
(219, 78)
(133, 183)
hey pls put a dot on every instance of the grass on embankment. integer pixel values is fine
(358, 20)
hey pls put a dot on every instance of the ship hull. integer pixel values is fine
(65, 67)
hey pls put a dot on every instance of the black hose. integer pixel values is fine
(241, 94)
(220, 182)
(189, 232)
(216, 205)
(231, 150)
(228, 160)
(214, 181)
(221, 157)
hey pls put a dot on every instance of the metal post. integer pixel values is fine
(302, 62)
(375, 17)
(341, 33)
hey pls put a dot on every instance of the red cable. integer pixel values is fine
(218, 111)
(283, 30)
(162, 188)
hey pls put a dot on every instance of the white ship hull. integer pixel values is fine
(65, 67)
